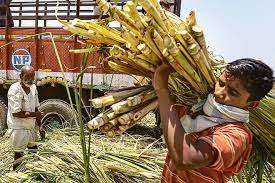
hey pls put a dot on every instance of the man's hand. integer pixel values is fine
(39, 115)
(160, 79)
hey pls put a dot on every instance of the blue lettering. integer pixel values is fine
(25, 59)
(17, 59)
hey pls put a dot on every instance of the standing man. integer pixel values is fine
(216, 144)
(23, 119)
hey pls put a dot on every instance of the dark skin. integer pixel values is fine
(184, 153)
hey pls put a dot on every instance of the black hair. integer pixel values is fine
(257, 77)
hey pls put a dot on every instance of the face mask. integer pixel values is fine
(28, 83)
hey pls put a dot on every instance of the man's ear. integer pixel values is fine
(253, 105)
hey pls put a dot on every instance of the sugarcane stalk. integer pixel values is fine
(149, 41)
(132, 41)
(201, 40)
(187, 55)
(143, 63)
(140, 98)
(131, 9)
(149, 53)
(191, 21)
(126, 68)
(201, 60)
(90, 34)
(99, 29)
(158, 40)
(181, 71)
(118, 15)
(156, 26)
(145, 110)
(121, 54)
(151, 9)
(126, 118)
(180, 58)
(122, 107)
(96, 122)
(106, 127)
(115, 97)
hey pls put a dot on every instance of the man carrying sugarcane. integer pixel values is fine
(23, 118)
(216, 144)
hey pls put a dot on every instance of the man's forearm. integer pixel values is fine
(171, 125)
(25, 114)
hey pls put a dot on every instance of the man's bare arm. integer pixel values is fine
(184, 153)
(26, 114)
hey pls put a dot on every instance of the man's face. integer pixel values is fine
(230, 91)
(28, 78)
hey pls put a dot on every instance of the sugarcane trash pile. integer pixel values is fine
(145, 41)
(59, 159)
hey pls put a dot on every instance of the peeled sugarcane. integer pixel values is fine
(151, 9)
(99, 120)
(132, 41)
(198, 55)
(180, 58)
(115, 97)
(181, 71)
(197, 31)
(119, 16)
(140, 98)
(131, 9)
(145, 110)
(126, 118)
(121, 107)
(149, 53)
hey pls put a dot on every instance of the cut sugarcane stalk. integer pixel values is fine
(96, 122)
(126, 118)
(171, 46)
(115, 97)
(140, 98)
(122, 107)
(150, 9)
(145, 110)
(201, 60)
(131, 9)
(181, 71)
(149, 53)
(125, 68)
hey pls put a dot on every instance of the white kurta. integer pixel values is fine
(22, 131)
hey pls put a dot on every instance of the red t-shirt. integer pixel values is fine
(232, 144)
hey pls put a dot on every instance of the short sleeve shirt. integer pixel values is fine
(18, 101)
(232, 144)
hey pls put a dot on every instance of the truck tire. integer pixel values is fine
(57, 114)
(3, 116)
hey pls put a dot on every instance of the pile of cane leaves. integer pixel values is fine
(129, 158)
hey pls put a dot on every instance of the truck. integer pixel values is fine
(25, 39)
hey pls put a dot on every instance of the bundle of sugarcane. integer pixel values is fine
(147, 40)
(127, 107)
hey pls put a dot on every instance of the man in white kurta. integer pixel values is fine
(23, 117)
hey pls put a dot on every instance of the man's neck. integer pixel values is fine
(26, 89)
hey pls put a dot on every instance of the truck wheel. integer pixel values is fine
(3, 116)
(57, 114)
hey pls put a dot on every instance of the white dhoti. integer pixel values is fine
(23, 132)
